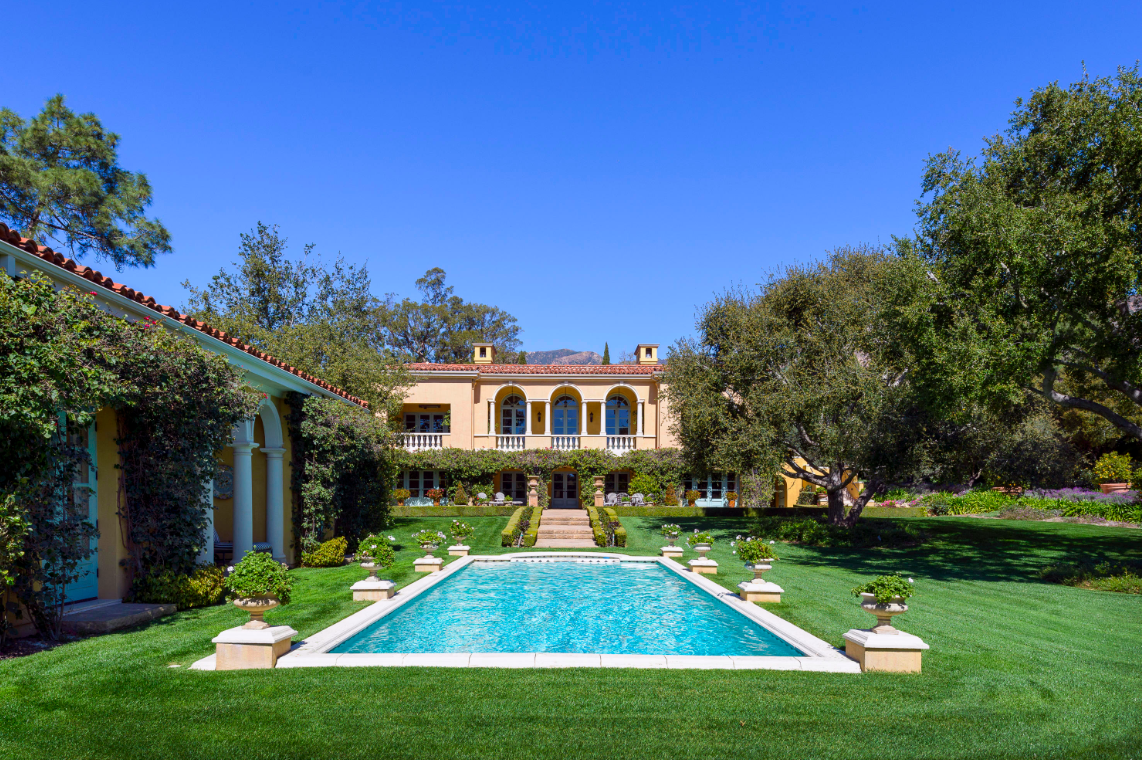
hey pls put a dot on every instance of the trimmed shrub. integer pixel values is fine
(866, 533)
(258, 574)
(532, 533)
(329, 554)
(507, 535)
(1103, 576)
(620, 531)
(596, 525)
(201, 588)
(376, 549)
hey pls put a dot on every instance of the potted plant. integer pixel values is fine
(373, 553)
(258, 584)
(732, 497)
(435, 494)
(671, 531)
(429, 540)
(1112, 471)
(400, 495)
(700, 542)
(461, 496)
(756, 553)
(460, 531)
(884, 597)
(692, 496)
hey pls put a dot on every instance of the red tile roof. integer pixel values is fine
(59, 260)
(541, 369)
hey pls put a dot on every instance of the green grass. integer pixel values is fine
(1019, 668)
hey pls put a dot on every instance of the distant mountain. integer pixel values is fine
(563, 356)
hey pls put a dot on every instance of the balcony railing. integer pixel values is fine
(511, 442)
(620, 444)
(423, 441)
(564, 442)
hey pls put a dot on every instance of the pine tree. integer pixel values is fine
(606, 353)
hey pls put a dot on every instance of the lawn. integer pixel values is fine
(1018, 668)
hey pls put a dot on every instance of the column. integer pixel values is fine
(583, 418)
(527, 427)
(638, 418)
(546, 418)
(275, 511)
(491, 418)
(206, 555)
(243, 499)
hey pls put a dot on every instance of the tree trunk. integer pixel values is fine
(836, 513)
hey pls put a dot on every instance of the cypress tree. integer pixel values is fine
(606, 353)
(522, 358)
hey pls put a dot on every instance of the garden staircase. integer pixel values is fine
(565, 529)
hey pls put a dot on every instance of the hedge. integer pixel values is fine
(596, 525)
(533, 529)
(620, 532)
(507, 535)
(485, 510)
(657, 511)
(329, 554)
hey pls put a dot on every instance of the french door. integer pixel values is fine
(565, 490)
(85, 503)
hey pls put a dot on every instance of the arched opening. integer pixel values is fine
(618, 415)
(513, 416)
(565, 416)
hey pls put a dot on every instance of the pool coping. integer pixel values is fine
(313, 651)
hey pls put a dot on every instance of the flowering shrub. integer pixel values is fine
(329, 554)
(200, 588)
(732, 495)
(401, 494)
(1113, 468)
(259, 575)
(692, 496)
(670, 530)
(436, 494)
(460, 531)
(424, 538)
(886, 587)
(376, 549)
(753, 550)
(696, 538)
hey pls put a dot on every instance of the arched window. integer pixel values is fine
(618, 416)
(565, 416)
(513, 416)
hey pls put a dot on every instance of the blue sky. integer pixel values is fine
(598, 170)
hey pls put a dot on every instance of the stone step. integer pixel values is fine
(564, 529)
(565, 521)
(564, 543)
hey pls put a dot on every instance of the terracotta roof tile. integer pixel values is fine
(58, 259)
(540, 369)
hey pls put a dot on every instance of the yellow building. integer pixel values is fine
(249, 495)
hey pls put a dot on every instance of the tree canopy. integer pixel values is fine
(60, 179)
(321, 319)
(798, 377)
(1034, 252)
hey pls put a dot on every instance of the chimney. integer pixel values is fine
(647, 353)
(483, 353)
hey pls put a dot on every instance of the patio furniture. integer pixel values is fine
(623, 497)
(611, 500)
(638, 500)
(221, 547)
(499, 501)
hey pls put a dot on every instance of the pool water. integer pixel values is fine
(606, 607)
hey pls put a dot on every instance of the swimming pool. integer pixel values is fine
(567, 605)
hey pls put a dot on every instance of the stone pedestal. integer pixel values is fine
(674, 552)
(459, 550)
(598, 490)
(244, 649)
(373, 590)
(759, 591)
(533, 490)
(704, 566)
(427, 565)
(890, 652)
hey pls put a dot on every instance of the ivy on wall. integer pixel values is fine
(343, 470)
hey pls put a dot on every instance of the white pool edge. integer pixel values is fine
(313, 651)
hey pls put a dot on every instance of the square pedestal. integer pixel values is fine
(427, 565)
(704, 566)
(373, 591)
(752, 591)
(244, 649)
(459, 550)
(674, 552)
(891, 652)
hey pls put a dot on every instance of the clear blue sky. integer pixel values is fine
(596, 169)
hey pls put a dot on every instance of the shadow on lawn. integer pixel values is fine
(962, 549)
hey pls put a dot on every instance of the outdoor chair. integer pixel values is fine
(611, 500)
(499, 500)
(638, 500)
(623, 497)
(222, 548)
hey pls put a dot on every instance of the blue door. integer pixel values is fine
(86, 503)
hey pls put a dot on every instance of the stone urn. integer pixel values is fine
(257, 606)
(429, 549)
(372, 568)
(884, 612)
(1114, 487)
(672, 537)
(702, 549)
(758, 568)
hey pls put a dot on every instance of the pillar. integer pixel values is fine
(206, 555)
(583, 419)
(529, 424)
(243, 499)
(546, 418)
(637, 418)
(275, 508)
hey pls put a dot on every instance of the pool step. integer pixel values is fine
(565, 528)
(565, 543)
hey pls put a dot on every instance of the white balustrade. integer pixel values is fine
(564, 442)
(620, 444)
(511, 442)
(423, 441)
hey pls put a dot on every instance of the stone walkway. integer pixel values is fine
(565, 529)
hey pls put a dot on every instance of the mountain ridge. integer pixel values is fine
(563, 356)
